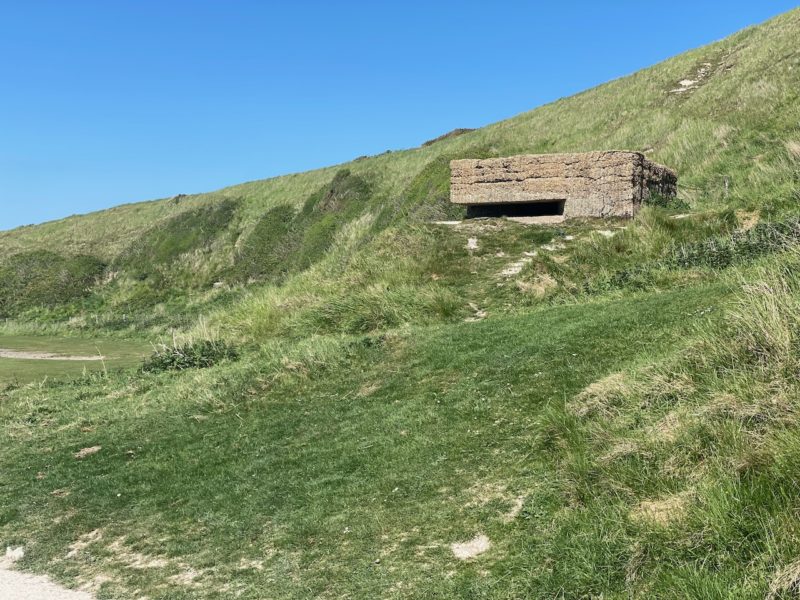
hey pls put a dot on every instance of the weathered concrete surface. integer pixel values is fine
(591, 184)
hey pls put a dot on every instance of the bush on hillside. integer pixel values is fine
(45, 279)
(344, 192)
(162, 244)
(427, 197)
(715, 252)
(193, 355)
(283, 242)
(326, 211)
(656, 198)
(267, 250)
(722, 251)
(429, 193)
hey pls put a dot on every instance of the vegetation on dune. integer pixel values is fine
(283, 242)
(265, 253)
(325, 466)
(162, 245)
(356, 398)
(695, 452)
(41, 278)
(190, 355)
(732, 135)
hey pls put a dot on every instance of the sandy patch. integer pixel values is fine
(539, 286)
(479, 313)
(664, 511)
(687, 85)
(553, 246)
(540, 220)
(14, 554)
(84, 452)
(84, 542)
(474, 547)
(599, 396)
(515, 267)
(24, 354)
(368, 389)
(251, 565)
(135, 560)
(515, 510)
(747, 220)
(483, 493)
(186, 578)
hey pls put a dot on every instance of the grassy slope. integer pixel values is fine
(734, 138)
(313, 462)
(609, 435)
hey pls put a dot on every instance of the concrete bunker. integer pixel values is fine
(549, 188)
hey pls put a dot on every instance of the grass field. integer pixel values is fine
(406, 444)
(117, 354)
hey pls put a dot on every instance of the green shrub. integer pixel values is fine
(715, 252)
(283, 242)
(326, 211)
(194, 355)
(345, 193)
(45, 279)
(162, 244)
(656, 198)
(266, 252)
(429, 192)
(722, 251)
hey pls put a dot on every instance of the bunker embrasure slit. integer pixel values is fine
(517, 209)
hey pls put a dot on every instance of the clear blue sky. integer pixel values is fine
(105, 102)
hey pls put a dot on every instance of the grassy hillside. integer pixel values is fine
(732, 135)
(357, 402)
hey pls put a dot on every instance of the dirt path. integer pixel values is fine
(6, 353)
(15, 585)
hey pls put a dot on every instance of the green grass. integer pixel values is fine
(118, 354)
(320, 458)
(44, 278)
(613, 403)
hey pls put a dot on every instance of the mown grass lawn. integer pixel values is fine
(117, 353)
(333, 467)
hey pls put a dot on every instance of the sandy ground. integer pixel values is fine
(15, 585)
(5, 353)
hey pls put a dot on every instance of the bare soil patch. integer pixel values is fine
(466, 550)
(27, 355)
